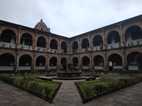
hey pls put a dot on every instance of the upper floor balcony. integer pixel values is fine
(26, 47)
(130, 43)
(40, 49)
(113, 45)
(97, 48)
(7, 45)
(8, 39)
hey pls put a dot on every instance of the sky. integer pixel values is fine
(69, 17)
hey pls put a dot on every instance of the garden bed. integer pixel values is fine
(106, 84)
(29, 82)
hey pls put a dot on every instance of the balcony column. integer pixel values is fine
(123, 44)
(18, 36)
(33, 66)
(48, 44)
(59, 46)
(104, 40)
(34, 41)
(79, 45)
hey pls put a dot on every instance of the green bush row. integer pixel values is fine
(41, 88)
(106, 84)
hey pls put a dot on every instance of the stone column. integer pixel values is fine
(59, 50)
(16, 62)
(105, 47)
(18, 36)
(123, 42)
(58, 63)
(79, 45)
(80, 63)
(34, 53)
(46, 63)
(91, 65)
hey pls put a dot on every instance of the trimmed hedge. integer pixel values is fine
(42, 88)
(105, 84)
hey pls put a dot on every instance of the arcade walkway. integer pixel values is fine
(68, 96)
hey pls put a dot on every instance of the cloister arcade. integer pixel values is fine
(93, 51)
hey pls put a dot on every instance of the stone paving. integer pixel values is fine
(68, 96)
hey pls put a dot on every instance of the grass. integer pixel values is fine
(29, 82)
(106, 84)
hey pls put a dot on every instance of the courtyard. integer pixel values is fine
(68, 96)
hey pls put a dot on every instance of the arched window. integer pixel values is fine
(25, 60)
(113, 37)
(115, 59)
(64, 63)
(40, 61)
(7, 59)
(8, 36)
(53, 44)
(75, 61)
(85, 61)
(98, 60)
(26, 39)
(97, 40)
(53, 61)
(85, 43)
(64, 46)
(41, 42)
(133, 33)
(75, 45)
(134, 58)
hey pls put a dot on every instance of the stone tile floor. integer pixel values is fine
(68, 96)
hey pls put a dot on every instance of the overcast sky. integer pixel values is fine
(69, 17)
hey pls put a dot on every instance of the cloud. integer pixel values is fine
(69, 17)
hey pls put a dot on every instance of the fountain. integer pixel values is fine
(68, 72)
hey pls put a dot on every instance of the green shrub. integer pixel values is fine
(107, 83)
(42, 88)
(7, 78)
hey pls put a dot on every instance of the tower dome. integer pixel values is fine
(42, 26)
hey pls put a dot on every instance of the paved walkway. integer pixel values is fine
(12, 96)
(68, 96)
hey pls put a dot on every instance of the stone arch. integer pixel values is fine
(64, 46)
(7, 59)
(75, 61)
(85, 61)
(53, 44)
(133, 33)
(40, 61)
(75, 45)
(25, 60)
(113, 37)
(26, 39)
(116, 59)
(85, 43)
(97, 41)
(135, 59)
(41, 42)
(98, 60)
(53, 61)
(8, 35)
(64, 63)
